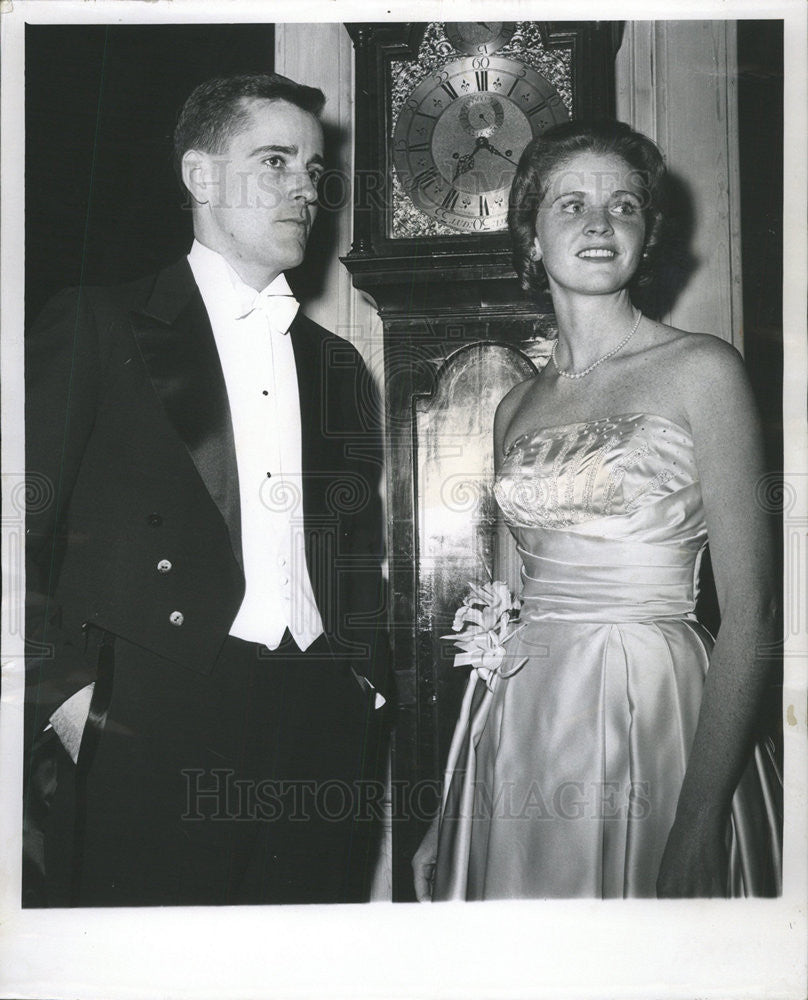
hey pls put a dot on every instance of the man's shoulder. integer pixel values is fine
(123, 296)
(136, 294)
(314, 330)
(330, 348)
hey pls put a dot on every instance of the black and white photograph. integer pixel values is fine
(404, 499)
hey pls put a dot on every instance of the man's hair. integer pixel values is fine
(218, 109)
(552, 150)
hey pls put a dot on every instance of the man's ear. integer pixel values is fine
(196, 175)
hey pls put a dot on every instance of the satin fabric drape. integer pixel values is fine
(563, 781)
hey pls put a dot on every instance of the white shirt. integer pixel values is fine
(250, 329)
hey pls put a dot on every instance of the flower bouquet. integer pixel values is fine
(486, 620)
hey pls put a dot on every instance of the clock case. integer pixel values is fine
(375, 255)
(458, 332)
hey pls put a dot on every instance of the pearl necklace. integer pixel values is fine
(567, 374)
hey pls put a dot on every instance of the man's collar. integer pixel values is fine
(212, 271)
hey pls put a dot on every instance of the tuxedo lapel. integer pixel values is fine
(311, 384)
(176, 343)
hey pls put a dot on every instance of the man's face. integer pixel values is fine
(262, 193)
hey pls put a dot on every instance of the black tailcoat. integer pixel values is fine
(131, 462)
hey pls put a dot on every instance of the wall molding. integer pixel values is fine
(677, 83)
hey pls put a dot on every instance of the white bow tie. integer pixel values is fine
(279, 309)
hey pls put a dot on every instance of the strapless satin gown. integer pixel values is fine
(563, 781)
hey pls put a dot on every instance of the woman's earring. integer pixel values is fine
(534, 254)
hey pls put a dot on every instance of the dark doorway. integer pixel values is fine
(760, 105)
(101, 200)
(760, 115)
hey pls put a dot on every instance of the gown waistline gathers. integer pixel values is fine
(590, 579)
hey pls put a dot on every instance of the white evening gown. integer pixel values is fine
(563, 780)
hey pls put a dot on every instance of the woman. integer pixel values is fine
(603, 758)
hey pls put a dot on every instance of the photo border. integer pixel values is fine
(586, 948)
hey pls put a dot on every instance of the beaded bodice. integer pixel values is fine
(578, 473)
(608, 518)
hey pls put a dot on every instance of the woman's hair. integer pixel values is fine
(552, 149)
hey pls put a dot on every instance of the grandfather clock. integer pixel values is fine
(443, 112)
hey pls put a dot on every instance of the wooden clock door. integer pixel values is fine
(442, 394)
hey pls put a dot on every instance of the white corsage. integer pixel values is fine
(486, 620)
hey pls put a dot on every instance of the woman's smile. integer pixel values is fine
(597, 254)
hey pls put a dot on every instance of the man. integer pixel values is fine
(204, 588)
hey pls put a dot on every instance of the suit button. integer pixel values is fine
(176, 618)
(164, 566)
(154, 520)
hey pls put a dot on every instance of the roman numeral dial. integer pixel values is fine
(459, 135)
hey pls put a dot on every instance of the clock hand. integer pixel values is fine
(485, 144)
(466, 162)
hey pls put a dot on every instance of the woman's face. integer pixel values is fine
(590, 227)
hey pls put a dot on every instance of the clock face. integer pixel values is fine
(479, 38)
(460, 134)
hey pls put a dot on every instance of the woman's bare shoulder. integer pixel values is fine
(705, 373)
(698, 348)
(508, 406)
(702, 356)
(512, 399)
